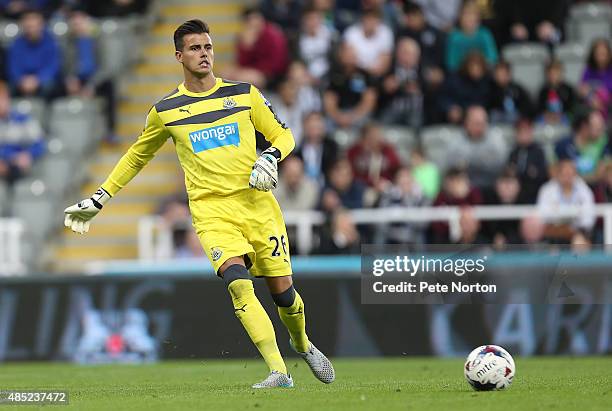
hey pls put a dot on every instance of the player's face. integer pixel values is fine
(197, 55)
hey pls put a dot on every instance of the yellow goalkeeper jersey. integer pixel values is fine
(214, 135)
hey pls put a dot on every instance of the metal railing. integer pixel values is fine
(11, 247)
(155, 237)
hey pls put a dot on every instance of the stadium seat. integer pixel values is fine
(57, 172)
(37, 214)
(345, 138)
(550, 133)
(8, 31)
(35, 107)
(589, 21)
(435, 141)
(74, 121)
(117, 45)
(4, 198)
(403, 138)
(507, 132)
(528, 61)
(573, 56)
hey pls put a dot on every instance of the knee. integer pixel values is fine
(286, 298)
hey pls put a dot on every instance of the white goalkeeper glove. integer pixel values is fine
(78, 216)
(264, 175)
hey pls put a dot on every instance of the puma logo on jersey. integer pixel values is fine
(185, 110)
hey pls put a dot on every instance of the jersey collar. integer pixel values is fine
(184, 90)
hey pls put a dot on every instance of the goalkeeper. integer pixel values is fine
(212, 123)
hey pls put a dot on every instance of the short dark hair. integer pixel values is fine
(411, 7)
(195, 26)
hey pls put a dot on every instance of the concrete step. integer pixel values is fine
(155, 167)
(228, 28)
(165, 49)
(171, 68)
(202, 10)
(97, 252)
(148, 188)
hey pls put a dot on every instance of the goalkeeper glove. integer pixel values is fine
(78, 216)
(264, 174)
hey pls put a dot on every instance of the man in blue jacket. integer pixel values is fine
(34, 58)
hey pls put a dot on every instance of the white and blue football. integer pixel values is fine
(489, 367)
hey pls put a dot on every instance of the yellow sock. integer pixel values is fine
(294, 319)
(256, 322)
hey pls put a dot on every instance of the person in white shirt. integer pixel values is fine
(316, 41)
(374, 40)
(566, 189)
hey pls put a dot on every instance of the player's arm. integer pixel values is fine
(154, 135)
(264, 175)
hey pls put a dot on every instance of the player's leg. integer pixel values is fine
(226, 246)
(250, 312)
(290, 309)
(268, 236)
(292, 313)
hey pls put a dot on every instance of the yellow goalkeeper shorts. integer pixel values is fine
(247, 224)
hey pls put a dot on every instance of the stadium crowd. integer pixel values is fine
(341, 74)
(357, 68)
(38, 64)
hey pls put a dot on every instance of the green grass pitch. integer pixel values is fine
(405, 383)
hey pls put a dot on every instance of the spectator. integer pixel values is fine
(603, 189)
(566, 189)
(189, 247)
(340, 235)
(469, 229)
(589, 147)
(83, 74)
(456, 191)
(34, 59)
(507, 192)
(373, 160)
(432, 42)
(405, 192)
(341, 191)
(390, 11)
(430, 39)
(469, 36)
(425, 173)
(556, 98)
(441, 14)
(309, 98)
(598, 71)
(295, 191)
(116, 8)
(596, 87)
(373, 35)
(287, 107)
(316, 41)
(482, 153)
(532, 231)
(508, 100)
(527, 20)
(529, 161)
(13, 9)
(350, 98)
(468, 87)
(262, 54)
(401, 95)
(21, 140)
(284, 13)
(318, 151)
